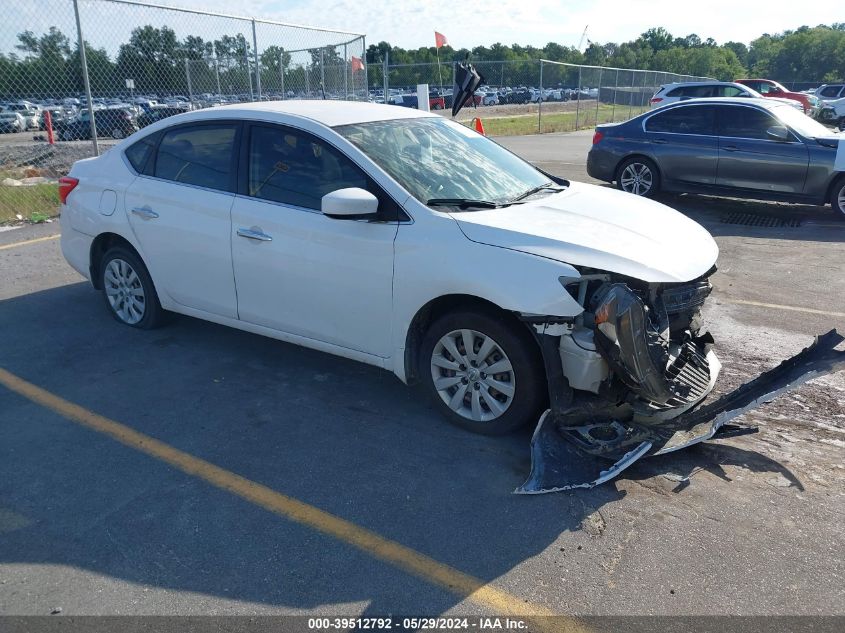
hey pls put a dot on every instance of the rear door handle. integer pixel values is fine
(660, 141)
(252, 234)
(145, 212)
(730, 148)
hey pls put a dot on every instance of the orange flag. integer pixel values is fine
(357, 64)
(440, 40)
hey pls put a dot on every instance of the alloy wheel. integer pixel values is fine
(637, 178)
(124, 291)
(473, 375)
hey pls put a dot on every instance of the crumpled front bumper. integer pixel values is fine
(558, 462)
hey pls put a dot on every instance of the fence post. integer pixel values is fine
(502, 82)
(257, 62)
(631, 94)
(346, 65)
(615, 88)
(188, 78)
(84, 63)
(540, 104)
(386, 75)
(598, 95)
(249, 75)
(578, 105)
(322, 75)
(282, 73)
(217, 74)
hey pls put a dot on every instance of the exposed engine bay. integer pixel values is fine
(629, 375)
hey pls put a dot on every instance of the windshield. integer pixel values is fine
(434, 158)
(800, 122)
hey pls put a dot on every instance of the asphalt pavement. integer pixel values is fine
(95, 520)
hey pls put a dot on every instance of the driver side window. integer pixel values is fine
(296, 168)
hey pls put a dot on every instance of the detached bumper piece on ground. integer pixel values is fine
(569, 453)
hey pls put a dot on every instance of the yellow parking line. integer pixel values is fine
(777, 306)
(401, 556)
(27, 242)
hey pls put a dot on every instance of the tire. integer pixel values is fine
(837, 198)
(841, 124)
(128, 289)
(117, 134)
(505, 343)
(639, 176)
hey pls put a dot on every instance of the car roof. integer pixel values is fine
(713, 82)
(758, 101)
(329, 113)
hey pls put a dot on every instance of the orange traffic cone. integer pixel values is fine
(479, 127)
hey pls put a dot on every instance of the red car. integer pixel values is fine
(436, 103)
(769, 88)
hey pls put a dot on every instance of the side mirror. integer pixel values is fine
(349, 204)
(778, 133)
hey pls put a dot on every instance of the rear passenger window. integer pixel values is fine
(293, 167)
(691, 92)
(830, 91)
(199, 155)
(691, 119)
(139, 153)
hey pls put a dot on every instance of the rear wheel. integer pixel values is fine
(128, 289)
(483, 372)
(837, 198)
(639, 176)
(117, 133)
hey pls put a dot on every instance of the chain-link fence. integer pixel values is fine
(531, 96)
(60, 101)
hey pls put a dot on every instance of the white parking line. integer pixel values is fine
(782, 307)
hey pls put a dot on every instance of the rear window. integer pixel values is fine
(198, 155)
(691, 91)
(692, 119)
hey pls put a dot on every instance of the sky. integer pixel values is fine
(411, 24)
(469, 23)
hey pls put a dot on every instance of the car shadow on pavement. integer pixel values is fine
(712, 457)
(341, 436)
(759, 219)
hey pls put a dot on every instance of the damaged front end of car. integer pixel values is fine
(628, 377)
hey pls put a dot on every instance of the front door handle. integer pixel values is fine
(145, 212)
(730, 148)
(660, 141)
(254, 234)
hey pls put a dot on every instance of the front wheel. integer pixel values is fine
(837, 198)
(639, 176)
(483, 372)
(128, 289)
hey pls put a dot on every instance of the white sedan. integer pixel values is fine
(409, 242)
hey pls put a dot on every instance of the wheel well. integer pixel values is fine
(627, 158)
(436, 308)
(99, 247)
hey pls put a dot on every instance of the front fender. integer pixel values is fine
(512, 280)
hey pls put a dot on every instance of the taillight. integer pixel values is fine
(656, 100)
(66, 185)
(597, 137)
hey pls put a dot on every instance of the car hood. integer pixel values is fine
(602, 228)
